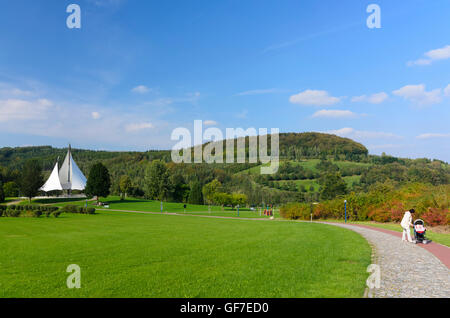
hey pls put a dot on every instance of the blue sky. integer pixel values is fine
(138, 69)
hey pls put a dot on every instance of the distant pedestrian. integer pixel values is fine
(406, 224)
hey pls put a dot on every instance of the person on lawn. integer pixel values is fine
(406, 224)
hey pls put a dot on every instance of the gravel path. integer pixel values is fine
(407, 270)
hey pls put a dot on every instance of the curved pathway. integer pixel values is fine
(407, 270)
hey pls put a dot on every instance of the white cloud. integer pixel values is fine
(361, 134)
(210, 123)
(138, 126)
(334, 114)
(9, 91)
(439, 54)
(447, 90)
(314, 97)
(418, 94)
(433, 135)
(420, 62)
(40, 115)
(19, 109)
(377, 98)
(95, 115)
(141, 89)
(431, 56)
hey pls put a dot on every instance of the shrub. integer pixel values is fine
(2, 210)
(90, 210)
(295, 211)
(47, 213)
(397, 210)
(36, 213)
(56, 213)
(434, 217)
(380, 215)
(70, 208)
(13, 213)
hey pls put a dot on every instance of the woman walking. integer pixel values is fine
(406, 224)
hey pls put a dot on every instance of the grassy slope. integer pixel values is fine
(310, 164)
(137, 255)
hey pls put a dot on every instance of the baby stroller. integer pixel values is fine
(419, 232)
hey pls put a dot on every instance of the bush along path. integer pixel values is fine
(407, 270)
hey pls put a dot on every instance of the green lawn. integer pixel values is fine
(144, 255)
(8, 200)
(132, 204)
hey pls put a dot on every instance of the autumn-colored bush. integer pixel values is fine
(380, 215)
(397, 210)
(295, 211)
(435, 217)
(382, 203)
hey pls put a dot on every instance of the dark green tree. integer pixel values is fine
(180, 190)
(332, 185)
(124, 186)
(11, 189)
(196, 195)
(31, 179)
(210, 189)
(2, 193)
(99, 181)
(157, 181)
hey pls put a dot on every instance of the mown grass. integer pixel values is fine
(144, 255)
(142, 205)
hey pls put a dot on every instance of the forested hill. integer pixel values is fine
(292, 145)
(305, 159)
(300, 145)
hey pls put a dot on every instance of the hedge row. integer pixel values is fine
(31, 207)
(28, 211)
(77, 209)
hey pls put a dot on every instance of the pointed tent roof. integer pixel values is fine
(53, 182)
(70, 175)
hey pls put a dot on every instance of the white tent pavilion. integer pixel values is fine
(53, 182)
(68, 178)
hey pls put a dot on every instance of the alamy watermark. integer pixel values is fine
(73, 21)
(374, 280)
(374, 19)
(74, 279)
(213, 151)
